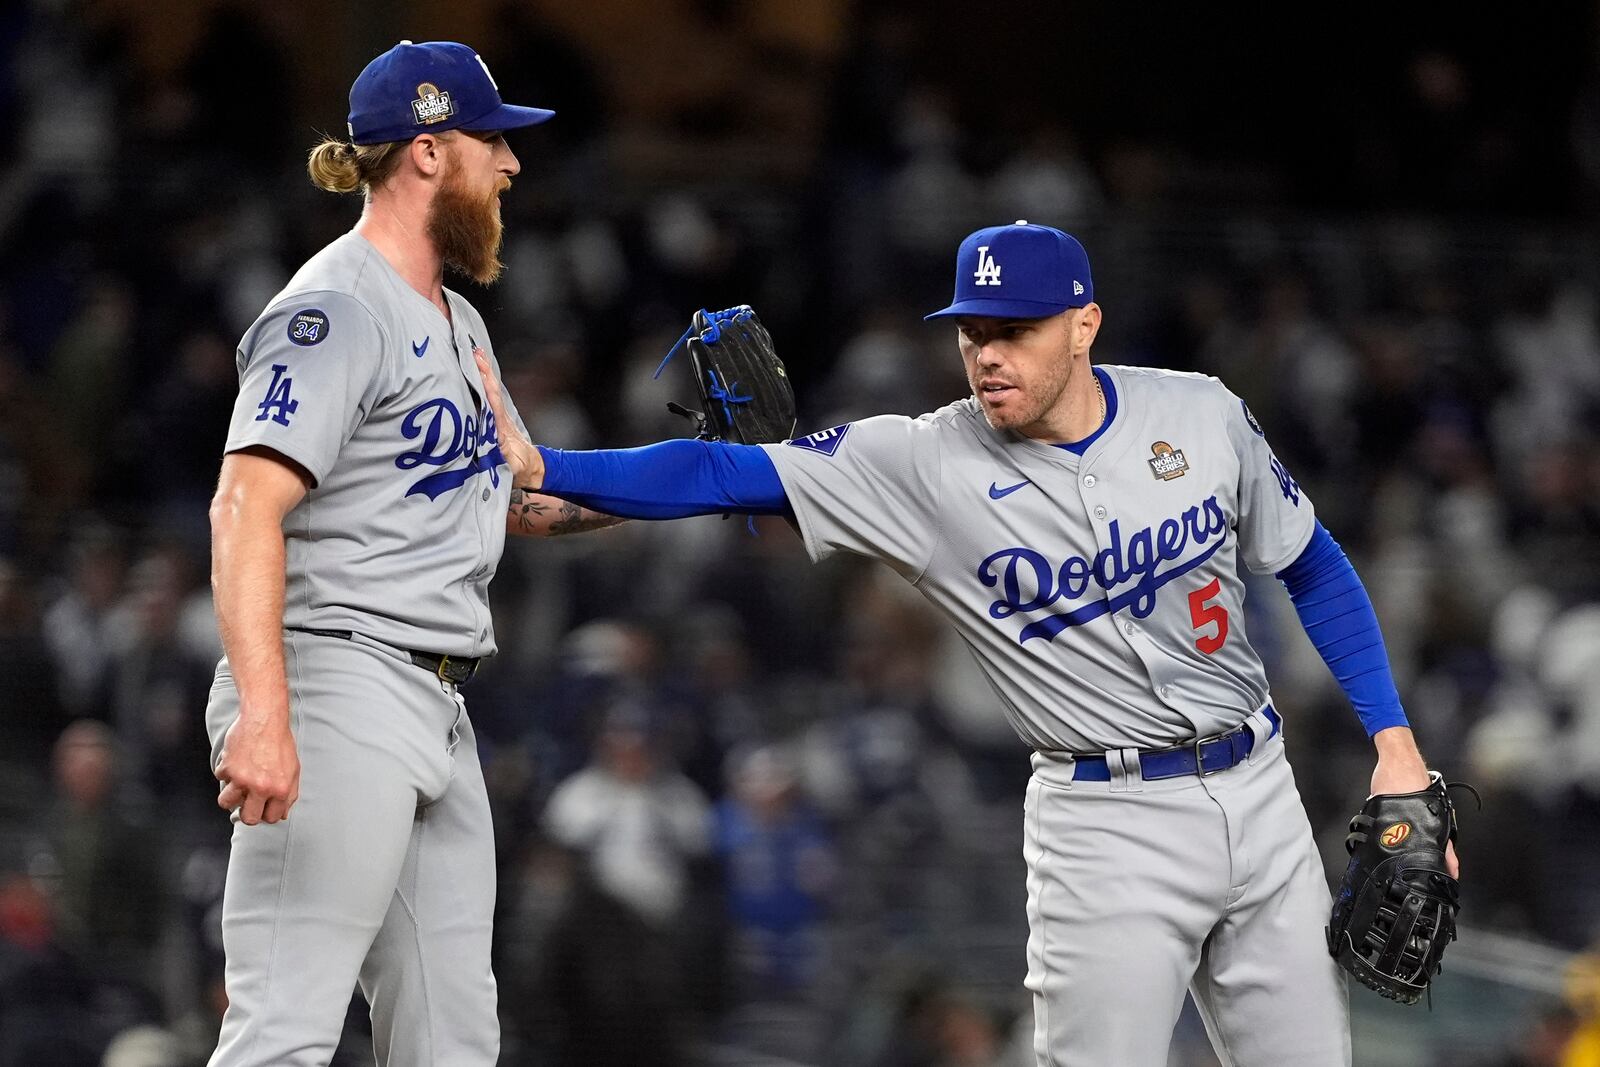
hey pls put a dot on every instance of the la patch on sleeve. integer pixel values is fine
(825, 441)
(308, 327)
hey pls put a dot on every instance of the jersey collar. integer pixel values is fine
(1093, 446)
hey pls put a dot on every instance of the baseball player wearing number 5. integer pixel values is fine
(359, 518)
(1083, 528)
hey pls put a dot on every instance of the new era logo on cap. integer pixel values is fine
(1045, 272)
(424, 88)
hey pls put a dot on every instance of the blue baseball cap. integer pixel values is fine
(424, 88)
(1021, 271)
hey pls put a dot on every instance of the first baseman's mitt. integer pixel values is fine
(744, 389)
(1396, 908)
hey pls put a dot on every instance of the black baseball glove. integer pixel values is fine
(1396, 908)
(745, 394)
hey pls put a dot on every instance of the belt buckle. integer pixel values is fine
(1199, 757)
(456, 672)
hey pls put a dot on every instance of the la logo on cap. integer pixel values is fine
(988, 272)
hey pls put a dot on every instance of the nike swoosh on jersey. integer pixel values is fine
(422, 348)
(995, 492)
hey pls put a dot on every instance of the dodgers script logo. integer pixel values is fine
(447, 436)
(1030, 582)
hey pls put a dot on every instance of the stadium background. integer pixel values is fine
(1378, 226)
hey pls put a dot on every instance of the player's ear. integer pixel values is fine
(427, 154)
(1085, 326)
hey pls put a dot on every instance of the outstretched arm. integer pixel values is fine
(669, 480)
(1337, 615)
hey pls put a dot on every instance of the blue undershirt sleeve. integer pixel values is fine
(669, 480)
(1337, 615)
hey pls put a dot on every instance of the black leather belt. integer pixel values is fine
(457, 670)
(1204, 756)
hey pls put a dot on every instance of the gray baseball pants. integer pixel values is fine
(383, 874)
(1138, 890)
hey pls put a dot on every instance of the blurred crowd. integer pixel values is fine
(744, 803)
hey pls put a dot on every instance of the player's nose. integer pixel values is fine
(509, 165)
(988, 354)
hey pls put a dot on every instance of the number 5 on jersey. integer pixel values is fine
(1204, 614)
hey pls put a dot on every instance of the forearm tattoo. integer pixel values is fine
(542, 516)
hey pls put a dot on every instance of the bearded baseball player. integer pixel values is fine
(360, 515)
(1083, 528)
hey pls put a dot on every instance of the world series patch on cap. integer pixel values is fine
(1021, 271)
(424, 88)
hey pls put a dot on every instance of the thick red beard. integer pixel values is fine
(466, 230)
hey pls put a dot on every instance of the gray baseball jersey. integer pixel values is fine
(385, 874)
(1101, 594)
(362, 381)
